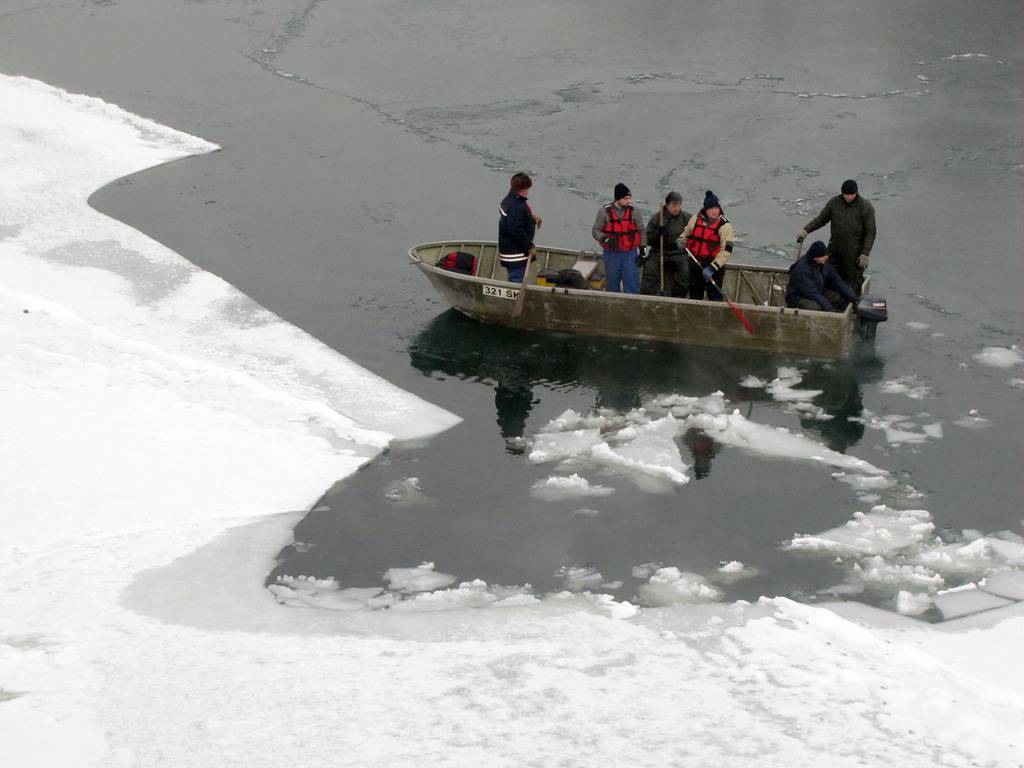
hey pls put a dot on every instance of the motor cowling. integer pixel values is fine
(871, 310)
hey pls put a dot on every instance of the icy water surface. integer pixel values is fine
(345, 141)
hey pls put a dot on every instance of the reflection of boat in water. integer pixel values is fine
(623, 375)
(487, 295)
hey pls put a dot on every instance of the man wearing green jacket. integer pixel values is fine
(853, 233)
(663, 230)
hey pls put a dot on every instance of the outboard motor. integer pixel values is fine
(871, 311)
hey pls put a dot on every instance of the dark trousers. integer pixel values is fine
(698, 286)
(677, 276)
(846, 265)
(835, 299)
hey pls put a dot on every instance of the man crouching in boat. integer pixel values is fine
(619, 230)
(516, 228)
(814, 284)
(709, 237)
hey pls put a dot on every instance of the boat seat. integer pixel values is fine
(585, 267)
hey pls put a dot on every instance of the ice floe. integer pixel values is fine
(422, 578)
(643, 444)
(580, 577)
(901, 429)
(559, 487)
(973, 420)
(897, 556)
(406, 491)
(882, 531)
(731, 571)
(671, 586)
(912, 386)
(1000, 357)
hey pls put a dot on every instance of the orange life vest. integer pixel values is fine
(704, 242)
(621, 228)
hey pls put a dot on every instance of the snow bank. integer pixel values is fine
(147, 405)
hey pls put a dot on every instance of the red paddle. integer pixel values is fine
(735, 310)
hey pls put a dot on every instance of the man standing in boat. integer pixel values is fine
(516, 228)
(813, 284)
(619, 230)
(709, 237)
(853, 233)
(663, 231)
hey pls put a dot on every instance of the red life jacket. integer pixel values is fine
(621, 228)
(704, 242)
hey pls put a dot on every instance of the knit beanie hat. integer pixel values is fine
(817, 249)
(849, 187)
(621, 191)
(711, 200)
(673, 197)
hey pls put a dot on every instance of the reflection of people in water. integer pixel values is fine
(702, 448)
(841, 399)
(513, 401)
(622, 375)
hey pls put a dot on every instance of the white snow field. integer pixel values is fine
(161, 435)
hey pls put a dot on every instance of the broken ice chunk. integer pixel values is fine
(580, 577)
(566, 487)
(1008, 584)
(1000, 357)
(881, 531)
(965, 601)
(670, 586)
(422, 578)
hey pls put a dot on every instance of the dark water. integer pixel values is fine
(351, 131)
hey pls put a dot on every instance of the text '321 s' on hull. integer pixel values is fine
(484, 293)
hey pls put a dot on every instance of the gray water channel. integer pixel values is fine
(350, 131)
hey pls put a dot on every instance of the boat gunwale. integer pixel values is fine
(415, 259)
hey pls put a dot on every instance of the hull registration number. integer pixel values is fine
(499, 292)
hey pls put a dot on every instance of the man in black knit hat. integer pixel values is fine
(813, 284)
(708, 238)
(853, 233)
(619, 230)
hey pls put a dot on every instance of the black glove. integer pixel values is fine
(641, 257)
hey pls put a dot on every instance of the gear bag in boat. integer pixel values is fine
(458, 261)
(563, 278)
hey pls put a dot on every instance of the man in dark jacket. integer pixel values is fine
(853, 232)
(516, 227)
(813, 284)
(663, 230)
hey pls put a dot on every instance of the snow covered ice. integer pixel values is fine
(168, 433)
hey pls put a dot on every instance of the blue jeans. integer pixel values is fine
(621, 271)
(515, 270)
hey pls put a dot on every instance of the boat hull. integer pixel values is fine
(599, 313)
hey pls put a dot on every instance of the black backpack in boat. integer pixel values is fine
(458, 261)
(564, 278)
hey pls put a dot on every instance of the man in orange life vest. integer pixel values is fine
(620, 231)
(709, 237)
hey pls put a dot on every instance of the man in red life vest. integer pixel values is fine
(620, 231)
(709, 237)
